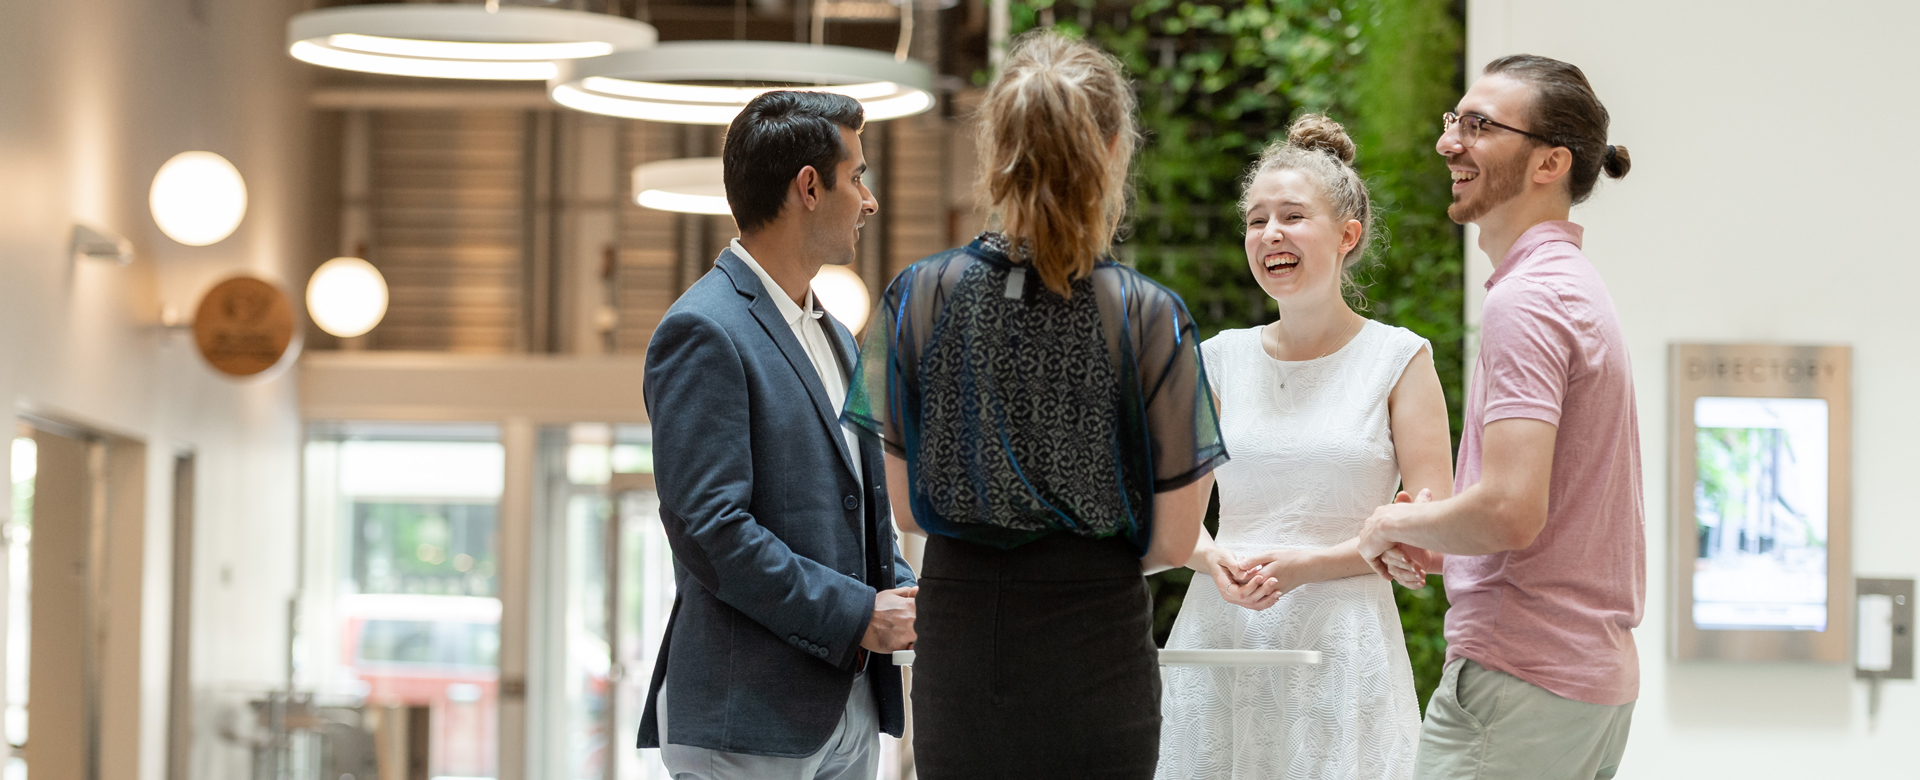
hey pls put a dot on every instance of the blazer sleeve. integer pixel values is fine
(696, 396)
(903, 576)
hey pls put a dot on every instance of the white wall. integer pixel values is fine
(94, 96)
(1774, 174)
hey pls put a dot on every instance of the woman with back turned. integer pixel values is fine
(1047, 419)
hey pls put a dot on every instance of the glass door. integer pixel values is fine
(18, 535)
(609, 586)
(406, 615)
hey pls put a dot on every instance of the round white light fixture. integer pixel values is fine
(649, 83)
(198, 198)
(347, 296)
(841, 292)
(458, 40)
(689, 186)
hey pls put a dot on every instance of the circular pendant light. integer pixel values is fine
(842, 294)
(458, 40)
(347, 296)
(672, 82)
(690, 186)
(198, 198)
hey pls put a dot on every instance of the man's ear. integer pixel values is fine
(1553, 166)
(807, 186)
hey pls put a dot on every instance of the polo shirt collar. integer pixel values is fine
(1543, 233)
(789, 311)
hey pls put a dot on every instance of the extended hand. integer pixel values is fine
(891, 628)
(1374, 543)
(1407, 565)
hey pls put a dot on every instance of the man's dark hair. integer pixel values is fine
(776, 135)
(1566, 110)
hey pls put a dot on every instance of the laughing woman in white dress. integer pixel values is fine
(1325, 412)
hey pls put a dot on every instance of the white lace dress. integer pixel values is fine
(1312, 457)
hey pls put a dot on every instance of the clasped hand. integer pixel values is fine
(1256, 581)
(891, 628)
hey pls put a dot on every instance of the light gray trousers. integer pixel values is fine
(852, 753)
(1484, 724)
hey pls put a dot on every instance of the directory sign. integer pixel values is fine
(1759, 501)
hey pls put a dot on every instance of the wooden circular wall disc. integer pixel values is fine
(244, 326)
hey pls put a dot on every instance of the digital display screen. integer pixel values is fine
(1760, 510)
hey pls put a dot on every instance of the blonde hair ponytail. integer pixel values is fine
(1057, 133)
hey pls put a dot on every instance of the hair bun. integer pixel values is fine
(1318, 133)
(1616, 162)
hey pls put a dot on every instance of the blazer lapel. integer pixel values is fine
(768, 313)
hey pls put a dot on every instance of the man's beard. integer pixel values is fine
(1500, 182)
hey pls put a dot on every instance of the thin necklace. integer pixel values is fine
(1345, 337)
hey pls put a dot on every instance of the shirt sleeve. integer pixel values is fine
(1181, 419)
(1527, 344)
(870, 407)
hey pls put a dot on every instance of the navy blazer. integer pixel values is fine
(777, 550)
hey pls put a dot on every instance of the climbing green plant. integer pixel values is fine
(1217, 82)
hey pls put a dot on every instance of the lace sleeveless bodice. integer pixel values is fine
(1313, 457)
(1312, 451)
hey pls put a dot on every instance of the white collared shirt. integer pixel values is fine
(814, 339)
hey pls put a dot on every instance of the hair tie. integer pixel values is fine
(1610, 152)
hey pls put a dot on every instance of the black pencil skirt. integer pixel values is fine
(1034, 662)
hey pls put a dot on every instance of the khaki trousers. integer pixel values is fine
(1484, 724)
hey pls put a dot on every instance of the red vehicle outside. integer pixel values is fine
(438, 651)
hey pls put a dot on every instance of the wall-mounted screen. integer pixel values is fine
(1760, 512)
(1759, 501)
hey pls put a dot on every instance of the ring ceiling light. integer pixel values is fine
(459, 41)
(652, 84)
(689, 186)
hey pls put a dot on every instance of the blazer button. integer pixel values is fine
(851, 502)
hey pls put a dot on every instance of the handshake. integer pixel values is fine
(1398, 562)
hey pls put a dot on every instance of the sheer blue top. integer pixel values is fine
(1021, 413)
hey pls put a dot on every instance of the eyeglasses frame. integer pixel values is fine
(1450, 119)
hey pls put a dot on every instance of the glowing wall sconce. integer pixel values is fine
(347, 296)
(841, 292)
(198, 198)
(94, 243)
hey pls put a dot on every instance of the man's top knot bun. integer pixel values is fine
(1318, 133)
(1616, 162)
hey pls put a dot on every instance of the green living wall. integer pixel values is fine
(1217, 83)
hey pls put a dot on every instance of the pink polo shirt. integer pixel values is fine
(1559, 614)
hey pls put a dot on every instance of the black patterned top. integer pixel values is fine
(1021, 413)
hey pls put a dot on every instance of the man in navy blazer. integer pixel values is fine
(791, 588)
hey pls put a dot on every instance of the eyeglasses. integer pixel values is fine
(1472, 124)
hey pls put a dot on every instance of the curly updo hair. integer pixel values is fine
(1320, 149)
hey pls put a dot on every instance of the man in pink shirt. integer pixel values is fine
(1544, 541)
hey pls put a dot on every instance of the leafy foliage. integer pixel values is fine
(1218, 82)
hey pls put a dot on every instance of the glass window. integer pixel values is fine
(404, 536)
